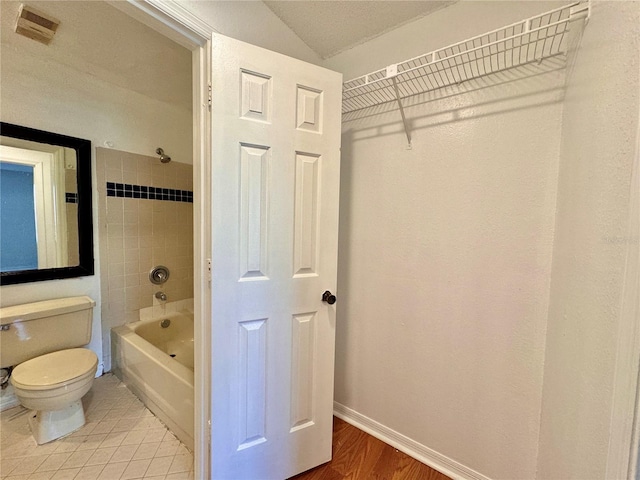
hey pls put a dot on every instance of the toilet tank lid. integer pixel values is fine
(46, 308)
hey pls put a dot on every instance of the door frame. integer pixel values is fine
(51, 224)
(180, 25)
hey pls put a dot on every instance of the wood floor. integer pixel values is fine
(359, 456)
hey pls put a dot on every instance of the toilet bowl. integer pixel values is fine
(52, 385)
(50, 374)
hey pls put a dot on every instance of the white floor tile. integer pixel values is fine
(124, 453)
(146, 450)
(134, 438)
(167, 449)
(154, 435)
(159, 466)
(91, 442)
(179, 476)
(101, 456)
(29, 465)
(42, 475)
(112, 471)
(113, 439)
(104, 426)
(135, 469)
(53, 462)
(65, 446)
(7, 464)
(66, 474)
(77, 459)
(18, 477)
(89, 473)
(181, 463)
(122, 440)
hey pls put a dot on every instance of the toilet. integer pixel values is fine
(51, 373)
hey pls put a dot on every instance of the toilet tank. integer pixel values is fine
(33, 329)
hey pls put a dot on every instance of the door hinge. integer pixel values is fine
(209, 95)
(209, 269)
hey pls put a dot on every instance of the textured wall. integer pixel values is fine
(445, 262)
(104, 81)
(598, 144)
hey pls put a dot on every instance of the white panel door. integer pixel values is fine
(275, 187)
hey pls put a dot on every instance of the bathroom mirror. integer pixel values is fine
(46, 228)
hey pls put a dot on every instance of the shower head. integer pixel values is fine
(163, 158)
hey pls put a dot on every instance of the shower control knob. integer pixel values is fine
(329, 297)
(158, 275)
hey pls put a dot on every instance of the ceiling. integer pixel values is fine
(330, 27)
(98, 40)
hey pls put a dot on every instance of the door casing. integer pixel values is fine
(178, 24)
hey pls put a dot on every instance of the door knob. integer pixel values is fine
(329, 297)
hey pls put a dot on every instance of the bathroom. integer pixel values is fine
(127, 115)
(506, 363)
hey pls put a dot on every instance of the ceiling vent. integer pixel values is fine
(35, 24)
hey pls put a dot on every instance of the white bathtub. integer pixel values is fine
(156, 363)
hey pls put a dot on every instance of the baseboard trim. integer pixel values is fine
(423, 454)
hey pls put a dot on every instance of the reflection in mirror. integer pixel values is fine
(38, 227)
(45, 206)
(18, 243)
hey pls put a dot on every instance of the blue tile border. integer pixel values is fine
(71, 197)
(126, 190)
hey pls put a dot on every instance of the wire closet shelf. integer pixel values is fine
(531, 40)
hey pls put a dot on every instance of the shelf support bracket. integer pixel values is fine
(404, 118)
(582, 10)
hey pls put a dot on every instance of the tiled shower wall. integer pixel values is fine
(138, 233)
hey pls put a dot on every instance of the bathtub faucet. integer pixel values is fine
(161, 296)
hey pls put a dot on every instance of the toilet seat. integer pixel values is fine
(54, 370)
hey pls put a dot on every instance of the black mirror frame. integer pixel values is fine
(85, 217)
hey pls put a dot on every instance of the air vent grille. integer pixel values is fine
(36, 24)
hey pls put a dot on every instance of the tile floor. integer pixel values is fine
(121, 440)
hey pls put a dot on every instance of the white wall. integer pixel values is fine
(598, 146)
(445, 253)
(113, 80)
